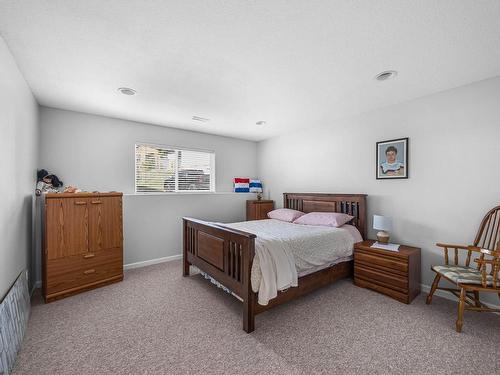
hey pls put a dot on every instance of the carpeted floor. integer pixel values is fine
(157, 322)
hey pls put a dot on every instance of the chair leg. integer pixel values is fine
(433, 288)
(476, 299)
(461, 307)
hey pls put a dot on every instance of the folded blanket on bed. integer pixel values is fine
(284, 249)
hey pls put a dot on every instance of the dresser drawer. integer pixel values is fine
(381, 261)
(386, 279)
(80, 270)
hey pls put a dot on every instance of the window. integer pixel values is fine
(160, 169)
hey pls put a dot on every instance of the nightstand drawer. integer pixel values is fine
(400, 296)
(387, 262)
(391, 280)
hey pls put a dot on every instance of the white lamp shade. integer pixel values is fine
(382, 222)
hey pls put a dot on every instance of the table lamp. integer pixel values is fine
(382, 224)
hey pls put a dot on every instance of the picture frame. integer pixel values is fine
(392, 159)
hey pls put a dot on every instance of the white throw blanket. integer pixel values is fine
(283, 249)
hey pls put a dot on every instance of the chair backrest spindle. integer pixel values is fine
(469, 255)
(488, 236)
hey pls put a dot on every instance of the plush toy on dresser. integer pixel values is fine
(47, 183)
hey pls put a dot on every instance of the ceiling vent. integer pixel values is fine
(127, 91)
(384, 76)
(200, 119)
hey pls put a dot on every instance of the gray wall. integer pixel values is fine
(97, 153)
(453, 176)
(454, 155)
(19, 143)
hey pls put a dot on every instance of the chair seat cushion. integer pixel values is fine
(463, 275)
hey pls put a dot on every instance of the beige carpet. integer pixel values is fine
(156, 322)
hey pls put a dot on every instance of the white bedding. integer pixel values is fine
(285, 251)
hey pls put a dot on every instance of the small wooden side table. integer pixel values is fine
(396, 274)
(257, 210)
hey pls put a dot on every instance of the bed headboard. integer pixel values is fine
(351, 204)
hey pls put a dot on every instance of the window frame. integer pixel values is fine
(176, 148)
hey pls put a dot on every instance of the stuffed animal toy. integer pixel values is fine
(47, 183)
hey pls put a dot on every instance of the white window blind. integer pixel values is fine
(161, 169)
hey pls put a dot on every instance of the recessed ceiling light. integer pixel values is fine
(127, 91)
(201, 119)
(384, 76)
(260, 123)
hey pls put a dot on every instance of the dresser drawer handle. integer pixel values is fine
(80, 203)
(86, 256)
(96, 202)
(88, 272)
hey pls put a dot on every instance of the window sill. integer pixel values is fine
(187, 193)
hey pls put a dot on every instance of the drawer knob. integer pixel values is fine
(86, 256)
(96, 202)
(80, 203)
(88, 272)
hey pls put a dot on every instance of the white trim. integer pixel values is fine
(447, 295)
(150, 262)
(167, 146)
(176, 175)
(188, 193)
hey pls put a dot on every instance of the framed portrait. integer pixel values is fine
(392, 159)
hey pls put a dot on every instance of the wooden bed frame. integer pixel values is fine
(227, 254)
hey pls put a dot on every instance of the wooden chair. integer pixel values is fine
(472, 280)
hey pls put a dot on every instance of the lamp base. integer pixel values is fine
(383, 237)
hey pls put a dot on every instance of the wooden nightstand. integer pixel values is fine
(257, 210)
(396, 274)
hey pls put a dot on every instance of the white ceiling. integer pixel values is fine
(292, 63)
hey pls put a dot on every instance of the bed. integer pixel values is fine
(226, 254)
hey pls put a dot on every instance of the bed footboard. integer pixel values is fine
(226, 255)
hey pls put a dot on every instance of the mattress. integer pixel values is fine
(286, 251)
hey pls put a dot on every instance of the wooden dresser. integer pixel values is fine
(396, 274)
(257, 210)
(82, 242)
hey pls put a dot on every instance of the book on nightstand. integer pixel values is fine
(386, 246)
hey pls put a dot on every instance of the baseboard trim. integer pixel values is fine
(446, 295)
(150, 262)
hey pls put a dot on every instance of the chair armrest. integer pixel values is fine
(487, 261)
(482, 264)
(495, 269)
(493, 253)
